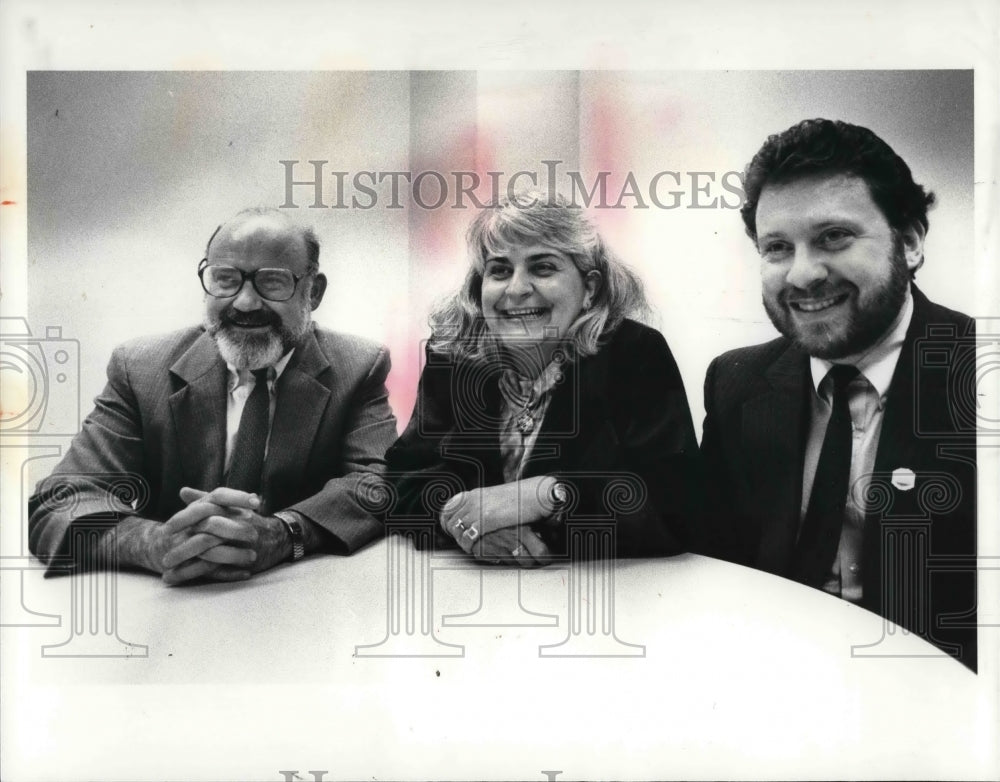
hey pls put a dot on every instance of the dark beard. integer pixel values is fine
(866, 327)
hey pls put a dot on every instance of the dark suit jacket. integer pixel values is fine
(756, 423)
(160, 424)
(618, 423)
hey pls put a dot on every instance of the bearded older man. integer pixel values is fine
(245, 440)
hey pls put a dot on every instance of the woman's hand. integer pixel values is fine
(492, 522)
(511, 546)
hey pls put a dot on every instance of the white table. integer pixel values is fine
(723, 672)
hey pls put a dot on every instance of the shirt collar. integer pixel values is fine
(236, 379)
(534, 390)
(878, 362)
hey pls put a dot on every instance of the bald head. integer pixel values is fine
(256, 311)
(268, 231)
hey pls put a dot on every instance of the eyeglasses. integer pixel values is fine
(224, 282)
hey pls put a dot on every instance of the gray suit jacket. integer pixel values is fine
(160, 424)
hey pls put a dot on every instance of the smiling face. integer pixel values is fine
(834, 274)
(250, 331)
(531, 294)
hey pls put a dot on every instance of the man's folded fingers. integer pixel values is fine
(186, 571)
(192, 514)
(230, 555)
(228, 529)
(233, 498)
(189, 548)
(189, 495)
(227, 573)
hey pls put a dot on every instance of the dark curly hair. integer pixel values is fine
(821, 146)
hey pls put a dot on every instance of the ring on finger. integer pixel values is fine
(517, 552)
(460, 525)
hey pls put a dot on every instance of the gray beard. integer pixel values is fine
(254, 351)
(249, 351)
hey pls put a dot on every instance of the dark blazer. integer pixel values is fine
(160, 424)
(617, 429)
(756, 423)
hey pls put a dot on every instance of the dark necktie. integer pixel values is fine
(824, 519)
(247, 462)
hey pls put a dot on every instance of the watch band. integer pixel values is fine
(294, 526)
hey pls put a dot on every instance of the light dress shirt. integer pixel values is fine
(867, 395)
(240, 384)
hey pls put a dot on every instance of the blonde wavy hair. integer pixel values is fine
(458, 327)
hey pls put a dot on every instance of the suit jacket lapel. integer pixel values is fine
(898, 442)
(301, 402)
(896, 438)
(773, 429)
(198, 407)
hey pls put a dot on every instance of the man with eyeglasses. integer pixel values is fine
(247, 441)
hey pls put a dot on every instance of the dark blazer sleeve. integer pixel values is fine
(424, 472)
(638, 459)
(722, 533)
(618, 431)
(346, 506)
(101, 474)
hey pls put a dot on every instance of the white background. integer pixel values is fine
(129, 173)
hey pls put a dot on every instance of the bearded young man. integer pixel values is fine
(245, 439)
(837, 451)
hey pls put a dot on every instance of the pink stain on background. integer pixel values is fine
(606, 130)
(405, 374)
(435, 233)
(437, 249)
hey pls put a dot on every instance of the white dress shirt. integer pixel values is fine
(240, 384)
(867, 395)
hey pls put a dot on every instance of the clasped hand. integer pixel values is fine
(219, 535)
(491, 523)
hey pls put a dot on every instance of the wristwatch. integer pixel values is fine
(294, 526)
